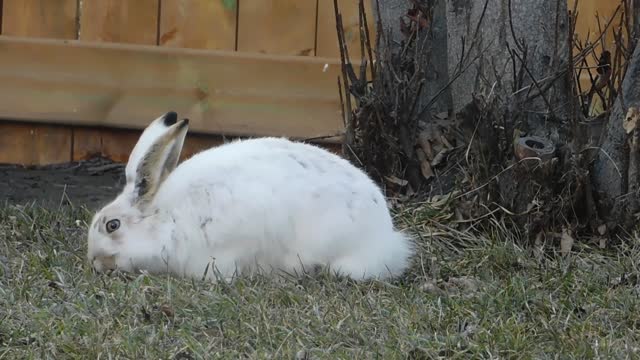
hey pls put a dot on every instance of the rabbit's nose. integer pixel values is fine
(104, 263)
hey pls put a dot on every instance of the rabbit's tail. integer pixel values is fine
(387, 257)
(401, 247)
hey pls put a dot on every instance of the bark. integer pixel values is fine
(435, 49)
(610, 169)
(526, 28)
(504, 53)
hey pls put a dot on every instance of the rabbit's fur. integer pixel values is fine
(266, 203)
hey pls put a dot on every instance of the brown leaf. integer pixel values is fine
(439, 157)
(566, 242)
(167, 310)
(602, 229)
(425, 144)
(430, 287)
(445, 142)
(425, 167)
(630, 121)
(395, 180)
(602, 243)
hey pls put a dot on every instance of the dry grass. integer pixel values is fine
(468, 296)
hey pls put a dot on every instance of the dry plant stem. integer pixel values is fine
(634, 168)
(535, 82)
(349, 125)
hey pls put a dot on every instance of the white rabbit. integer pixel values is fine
(259, 204)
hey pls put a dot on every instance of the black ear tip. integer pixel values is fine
(185, 122)
(170, 118)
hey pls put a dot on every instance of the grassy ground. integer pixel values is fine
(466, 297)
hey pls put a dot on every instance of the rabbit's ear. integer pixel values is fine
(157, 162)
(158, 128)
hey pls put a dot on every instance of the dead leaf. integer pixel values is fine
(446, 142)
(630, 121)
(425, 145)
(602, 229)
(439, 158)
(602, 243)
(396, 180)
(167, 310)
(302, 355)
(442, 115)
(566, 242)
(430, 287)
(425, 167)
(539, 237)
(463, 284)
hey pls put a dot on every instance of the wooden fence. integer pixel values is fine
(80, 78)
(97, 67)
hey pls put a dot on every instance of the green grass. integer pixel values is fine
(467, 296)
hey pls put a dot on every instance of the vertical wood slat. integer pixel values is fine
(40, 18)
(29, 144)
(123, 21)
(198, 24)
(282, 27)
(327, 37)
(37, 144)
(116, 144)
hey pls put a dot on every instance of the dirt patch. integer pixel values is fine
(90, 183)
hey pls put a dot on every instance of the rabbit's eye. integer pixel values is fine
(113, 225)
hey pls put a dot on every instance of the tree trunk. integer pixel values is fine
(435, 47)
(507, 57)
(481, 36)
(610, 169)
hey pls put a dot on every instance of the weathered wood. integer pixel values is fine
(283, 27)
(87, 143)
(121, 21)
(25, 143)
(115, 144)
(127, 86)
(40, 18)
(198, 24)
(327, 39)
(610, 169)
(587, 28)
(34, 144)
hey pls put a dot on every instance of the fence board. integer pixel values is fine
(115, 144)
(121, 21)
(221, 92)
(327, 45)
(284, 27)
(40, 18)
(198, 24)
(30, 144)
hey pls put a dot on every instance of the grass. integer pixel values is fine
(467, 296)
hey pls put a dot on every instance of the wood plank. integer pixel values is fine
(587, 27)
(118, 143)
(195, 143)
(115, 144)
(284, 27)
(198, 24)
(121, 21)
(34, 144)
(327, 45)
(40, 18)
(92, 84)
(87, 143)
